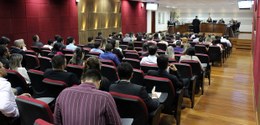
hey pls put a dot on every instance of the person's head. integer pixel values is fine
(60, 40)
(156, 36)
(126, 35)
(162, 62)
(4, 52)
(78, 56)
(56, 37)
(145, 47)
(178, 43)
(15, 61)
(3, 72)
(50, 42)
(56, 47)
(92, 63)
(91, 76)
(170, 51)
(36, 38)
(113, 42)
(109, 47)
(130, 46)
(125, 70)
(152, 49)
(90, 39)
(70, 40)
(97, 44)
(99, 33)
(190, 51)
(19, 43)
(4, 41)
(58, 62)
(196, 17)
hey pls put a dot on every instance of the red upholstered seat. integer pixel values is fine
(45, 63)
(76, 69)
(41, 122)
(17, 80)
(110, 72)
(54, 87)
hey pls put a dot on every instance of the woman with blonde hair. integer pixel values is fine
(16, 64)
(170, 52)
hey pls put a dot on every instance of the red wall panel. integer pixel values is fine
(134, 18)
(24, 18)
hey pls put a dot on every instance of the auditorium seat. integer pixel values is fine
(131, 55)
(130, 106)
(36, 49)
(201, 49)
(171, 99)
(30, 52)
(45, 63)
(110, 72)
(17, 80)
(39, 89)
(204, 59)
(32, 62)
(45, 53)
(76, 69)
(54, 87)
(147, 67)
(94, 54)
(215, 54)
(134, 62)
(68, 57)
(67, 51)
(138, 77)
(138, 44)
(31, 109)
(107, 62)
(162, 46)
(41, 122)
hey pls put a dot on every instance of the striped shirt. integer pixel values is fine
(85, 105)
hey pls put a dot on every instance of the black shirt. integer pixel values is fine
(68, 77)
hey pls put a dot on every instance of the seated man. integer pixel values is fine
(71, 43)
(97, 48)
(151, 58)
(109, 55)
(4, 55)
(125, 73)
(36, 41)
(85, 104)
(163, 71)
(58, 71)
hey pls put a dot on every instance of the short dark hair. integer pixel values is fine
(70, 40)
(130, 46)
(190, 51)
(34, 37)
(60, 39)
(162, 62)
(92, 63)
(91, 74)
(50, 42)
(4, 40)
(108, 47)
(99, 33)
(3, 50)
(90, 38)
(178, 43)
(56, 37)
(58, 61)
(125, 70)
(152, 49)
(97, 44)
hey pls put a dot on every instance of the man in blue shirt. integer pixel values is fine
(109, 55)
(71, 43)
(96, 48)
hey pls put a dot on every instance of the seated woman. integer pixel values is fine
(78, 57)
(19, 47)
(16, 64)
(170, 53)
(190, 55)
(56, 50)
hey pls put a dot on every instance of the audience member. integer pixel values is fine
(127, 38)
(152, 57)
(109, 55)
(178, 47)
(4, 41)
(58, 71)
(97, 48)
(116, 51)
(117, 46)
(60, 42)
(56, 37)
(94, 63)
(71, 43)
(16, 64)
(36, 41)
(125, 73)
(103, 44)
(77, 58)
(49, 44)
(99, 36)
(85, 105)
(19, 47)
(170, 52)
(190, 55)
(56, 50)
(4, 55)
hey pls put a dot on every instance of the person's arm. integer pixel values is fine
(116, 60)
(111, 114)
(57, 113)
(150, 103)
(8, 106)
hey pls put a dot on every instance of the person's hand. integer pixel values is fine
(26, 94)
(173, 67)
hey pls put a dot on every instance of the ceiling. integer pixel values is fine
(211, 5)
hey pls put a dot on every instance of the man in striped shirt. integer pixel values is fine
(85, 104)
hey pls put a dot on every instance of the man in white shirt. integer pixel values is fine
(152, 58)
(71, 43)
(225, 40)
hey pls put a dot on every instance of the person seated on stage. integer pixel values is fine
(36, 41)
(58, 71)
(77, 58)
(96, 48)
(71, 43)
(209, 20)
(85, 104)
(221, 21)
(109, 55)
(152, 57)
(125, 73)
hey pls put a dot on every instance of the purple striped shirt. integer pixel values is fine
(85, 105)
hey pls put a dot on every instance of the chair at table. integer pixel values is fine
(41, 122)
(76, 69)
(31, 109)
(110, 72)
(138, 77)
(130, 106)
(147, 67)
(45, 63)
(54, 87)
(170, 98)
(32, 61)
(134, 62)
(196, 70)
(17, 80)
(204, 59)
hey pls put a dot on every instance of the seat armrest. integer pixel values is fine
(154, 117)
(47, 100)
(126, 121)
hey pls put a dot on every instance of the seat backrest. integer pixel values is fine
(138, 48)
(30, 109)
(32, 61)
(4, 120)
(16, 80)
(86, 50)
(129, 51)
(162, 46)
(184, 70)
(45, 63)
(110, 72)
(147, 67)
(45, 53)
(177, 57)
(195, 66)
(134, 62)
(54, 87)
(214, 53)
(123, 47)
(36, 49)
(138, 77)
(36, 77)
(138, 43)
(76, 69)
(30, 52)
(204, 58)
(67, 51)
(94, 53)
(201, 49)
(130, 106)
(68, 57)
(160, 52)
(131, 55)
(163, 85)
(41, 122)
(107, 62)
